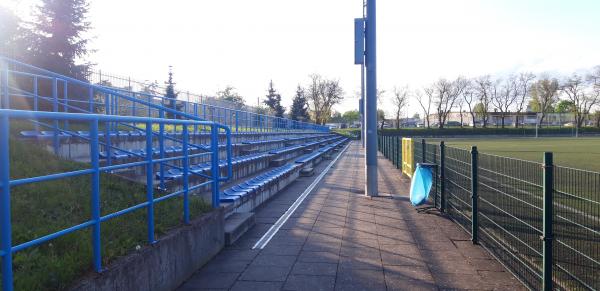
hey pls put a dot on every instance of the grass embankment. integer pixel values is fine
(348, 132)
(42, 208)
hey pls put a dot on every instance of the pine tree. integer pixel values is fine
(273, 101)
(59, 37)
(170, 100)
(11, 34)
(299, 109)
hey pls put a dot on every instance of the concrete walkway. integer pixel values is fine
(340, 240)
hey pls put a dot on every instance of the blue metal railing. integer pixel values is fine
(21, 83)
(116, 101)
(95, 169)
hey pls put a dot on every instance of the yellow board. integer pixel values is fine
(407, 157)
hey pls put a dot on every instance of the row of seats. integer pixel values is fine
(240, 193)
(310, 157)
(131, 153)
(128, 133)
(175, 173)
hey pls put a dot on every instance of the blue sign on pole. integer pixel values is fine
(359, 41)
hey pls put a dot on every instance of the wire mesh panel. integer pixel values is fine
(432, 155)
(576, 229)
(458, 185)
(510, 199)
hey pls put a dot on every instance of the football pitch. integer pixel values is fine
(581, 153)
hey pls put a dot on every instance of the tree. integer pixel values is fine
(351, 116)
(565, 106)
(170, 100)
(381, 117)
(562, 107)
(400, 100)
(299, 109)
(597, 118)
(322, 95)
(12, 34)
(60, 41)
(484, 88)
(336, 117)
(582, 97)
(505, 96)
(469, 97)
(544, 91)
(425, 103)
(273, 101)
(229, 94)
(521, 91)
(445, 93)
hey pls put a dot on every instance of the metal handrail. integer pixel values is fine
(6, 247)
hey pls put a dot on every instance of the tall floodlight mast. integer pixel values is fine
(365, 31)
(371, 100)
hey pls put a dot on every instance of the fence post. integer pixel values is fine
(398, 152)
(423, 149)
(442, 177)
(149, 181)
(214, 145)
(474, 197)
(547, 220)
(95, 161)
(186, 169)
(5, 223)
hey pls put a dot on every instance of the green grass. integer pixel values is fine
(42, 208)
(348, 132)
(581, 153)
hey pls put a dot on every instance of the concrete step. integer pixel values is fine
(236, 225)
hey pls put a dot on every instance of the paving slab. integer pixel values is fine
(338, 239)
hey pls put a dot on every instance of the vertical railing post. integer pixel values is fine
(237, 120)
(161, 146)
(149, 182)
(186, 168)
(107, 131)
(56, 143)
(214, 141)
(442, 176)
(91, 99)
(5, 213)
(66, 104)
(195, 114)
(36, 99)
(474, 197)
(547, 220)
(423, 150)
(95, 161)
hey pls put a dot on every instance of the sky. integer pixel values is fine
(245, 44)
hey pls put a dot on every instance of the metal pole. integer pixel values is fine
(547, 221)
(442, 177)
(363, 122)
(149, 181)
(95, 202)
(215, 170)
(474, 197)
(371, 100)
(5, 213)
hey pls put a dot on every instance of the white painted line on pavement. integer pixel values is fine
(266, 238)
